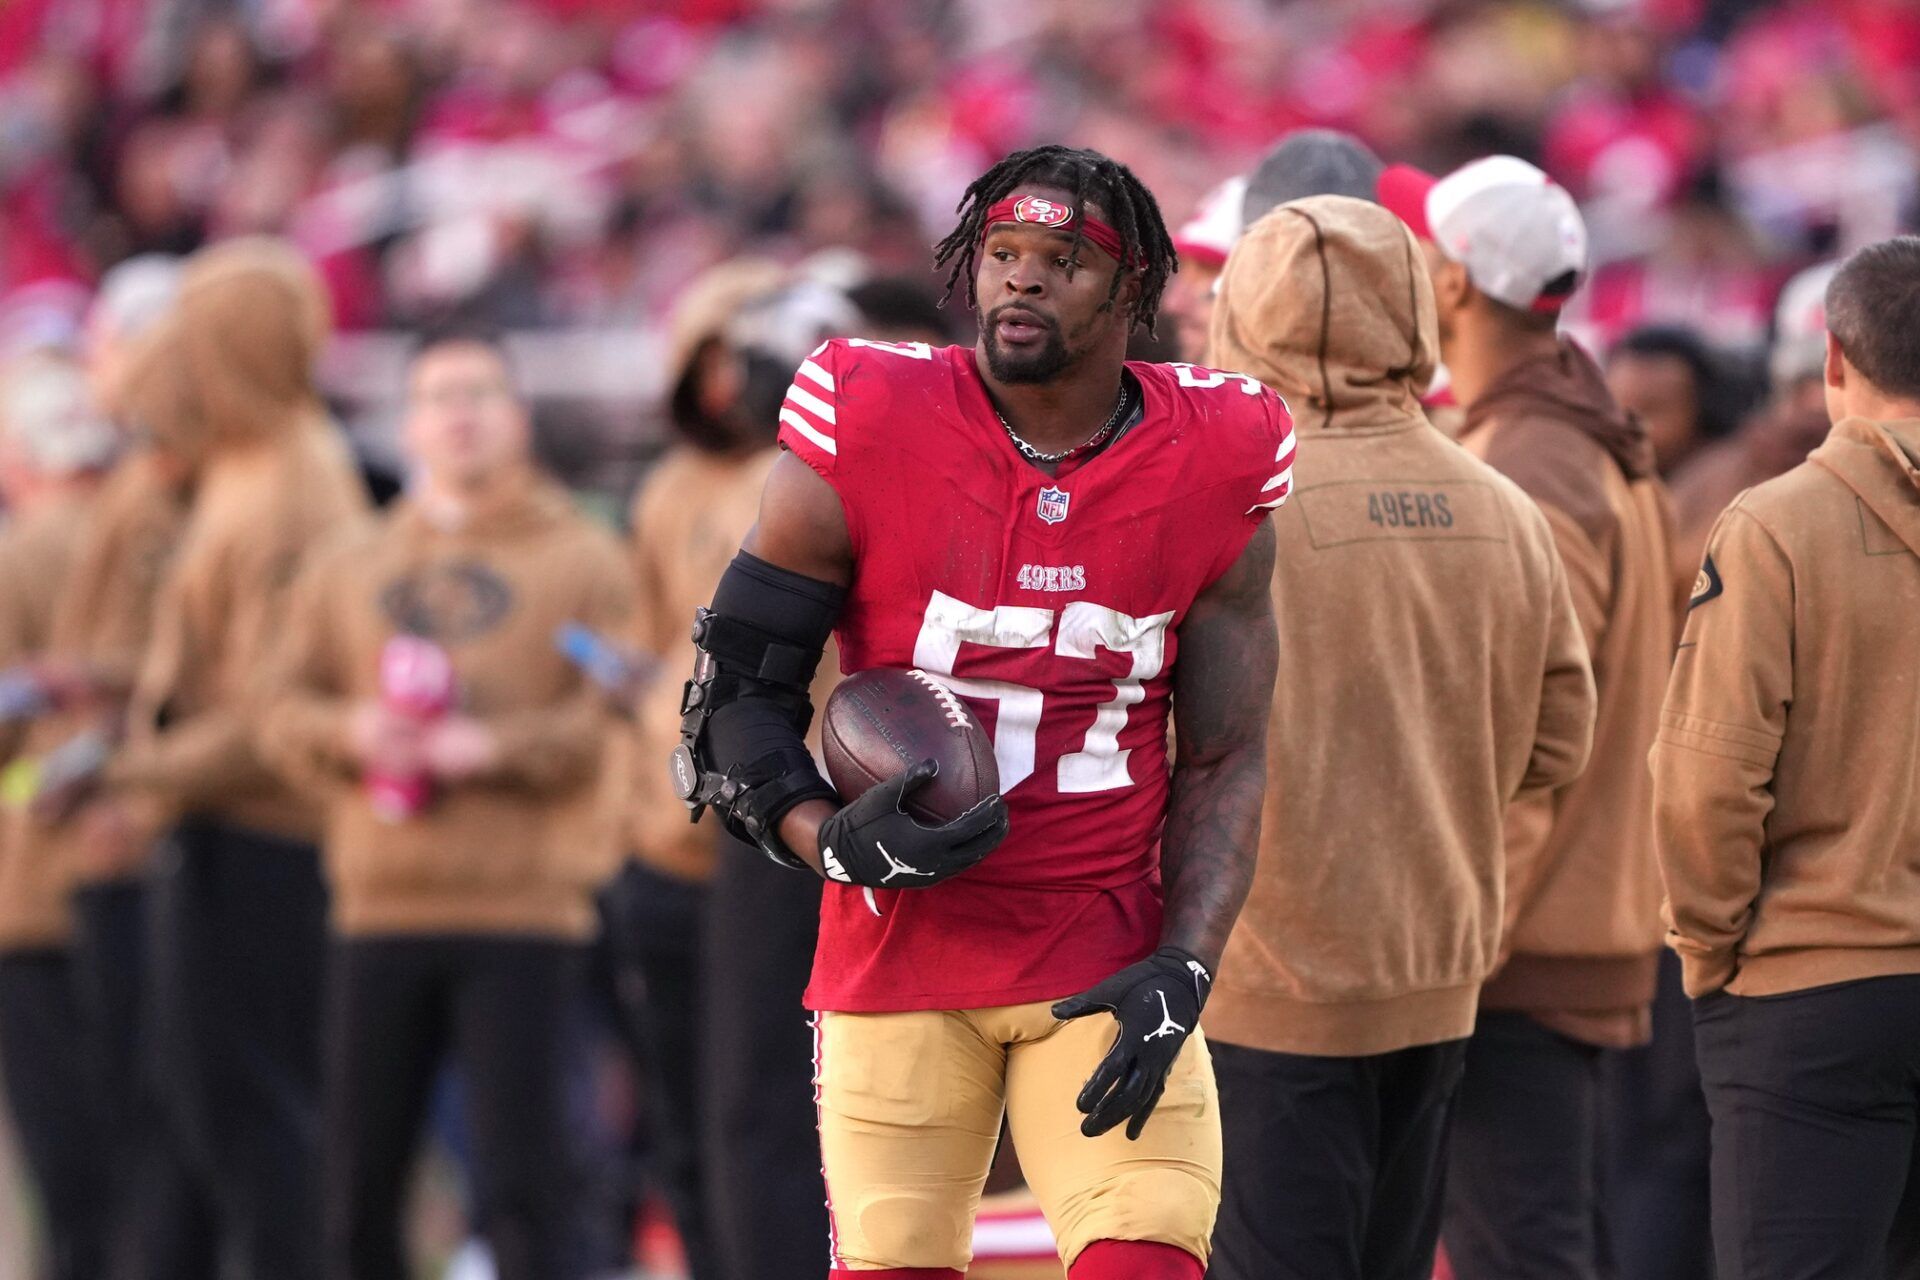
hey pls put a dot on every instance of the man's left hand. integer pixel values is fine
(1157, 1003)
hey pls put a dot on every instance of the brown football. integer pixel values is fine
(879, 722)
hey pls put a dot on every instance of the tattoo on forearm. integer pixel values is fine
(1223, 690)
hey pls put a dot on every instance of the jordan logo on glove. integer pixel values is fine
(1168, 1027)
(896, 867)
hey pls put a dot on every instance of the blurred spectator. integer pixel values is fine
(160, 1226)
(224, 386)
(1666, 375)
(53, 450)
(703, 493)
(1203, 243)
(1778, 437)
(461, 905)
(1311, 162)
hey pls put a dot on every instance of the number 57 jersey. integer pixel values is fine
(1052, 605)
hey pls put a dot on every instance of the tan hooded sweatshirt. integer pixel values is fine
(1431, 667)
(37, 554)
(100, 619)
(521, 850)
(227, 382)
(688, 522)
(1584, 891)
(1787, 772)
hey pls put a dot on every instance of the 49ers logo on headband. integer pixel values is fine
(1042, 211)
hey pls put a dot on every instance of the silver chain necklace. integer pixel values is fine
(1032, 454)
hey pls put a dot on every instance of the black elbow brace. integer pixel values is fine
(744, 715)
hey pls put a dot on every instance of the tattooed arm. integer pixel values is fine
(1222, 689)
(1222, 693)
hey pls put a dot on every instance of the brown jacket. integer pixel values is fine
(1430, 583)
(520, 851)
(37, 554)
(688, 522)
(1583, 892)
(1789, 750)
(100, 621)
(1773, 443)
(226, 381)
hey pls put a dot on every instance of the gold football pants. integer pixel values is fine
(910, 1111)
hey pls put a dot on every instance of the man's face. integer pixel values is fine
(1189, 304)
(464, 422)
(1660, 389)
(1044, 305)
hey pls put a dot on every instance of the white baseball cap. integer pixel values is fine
(1800, 325)
(1516, 231)
(1207, 237)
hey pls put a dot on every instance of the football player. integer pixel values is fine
(1077, 546)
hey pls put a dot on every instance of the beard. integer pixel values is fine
(1041, 365)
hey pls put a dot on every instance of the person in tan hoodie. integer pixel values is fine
(1338, 1047)
(737, 336)
(223, 387)
(1506, 249)
(53, 450)
(469, 814)
(1784, 780)
(686, 519)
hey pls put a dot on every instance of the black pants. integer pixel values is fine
(653, 929)
(238, 957)
(761, 1147)
(1522, 1187)
(160, 1228)
(49, 1093)
(1815, 1098)
(1655, 1147)
(1334, 1166)
(501, 1007)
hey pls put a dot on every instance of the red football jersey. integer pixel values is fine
(1052, 605)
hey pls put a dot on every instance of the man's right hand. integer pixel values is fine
(874, 842)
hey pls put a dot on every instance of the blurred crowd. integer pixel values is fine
(664, 204)
(568, 163)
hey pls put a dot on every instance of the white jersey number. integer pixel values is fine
(1100, 764)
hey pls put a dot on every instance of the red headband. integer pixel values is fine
(1038, 211)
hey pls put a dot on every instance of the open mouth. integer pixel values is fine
(1019, 327)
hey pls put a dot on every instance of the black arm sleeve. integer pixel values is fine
(746, 711)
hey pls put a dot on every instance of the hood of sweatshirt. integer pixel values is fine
(1880, 461)
(1567, 386)
(233, 362)
(1327, 301)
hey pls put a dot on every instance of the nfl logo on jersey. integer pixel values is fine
(1053, 505)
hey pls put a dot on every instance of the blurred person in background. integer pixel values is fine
(159, 1226)
(1307, 162)
(766, 1196)
(687, 518)
(1203, 243)
(460, 911)
(1654, 1116)
(1788, 426)
(1338, 1051)
(1784, 778)
(1582, 896)
(1666, 376)
(53, 450)
(901, 309)
(224, 388)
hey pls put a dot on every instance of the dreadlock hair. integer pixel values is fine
(1125, 200)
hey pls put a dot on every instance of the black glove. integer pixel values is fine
(876, 843)
(1158, 1003)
